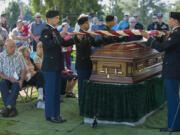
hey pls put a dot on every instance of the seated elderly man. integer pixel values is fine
(12, 73)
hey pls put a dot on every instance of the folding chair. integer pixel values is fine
(26, 94)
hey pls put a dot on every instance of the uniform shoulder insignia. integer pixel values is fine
(45, 36)
(169, 38)
(46, 27)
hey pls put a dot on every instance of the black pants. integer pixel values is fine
(37, 80)
(63, 85)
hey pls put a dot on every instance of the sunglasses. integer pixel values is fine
(38, 17)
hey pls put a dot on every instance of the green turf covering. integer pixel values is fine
(31, 121)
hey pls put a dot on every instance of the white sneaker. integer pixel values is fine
(40, 94)
(41, 105)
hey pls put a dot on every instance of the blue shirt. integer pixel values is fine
(115, 27)
(59, 28)
(37, 28)
(99, 27)
(123, 25)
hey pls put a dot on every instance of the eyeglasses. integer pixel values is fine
(38, 17)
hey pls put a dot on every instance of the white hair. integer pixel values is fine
(132, 19)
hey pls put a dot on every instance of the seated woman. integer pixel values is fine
(39, 56)
(132, 24)
(34, 76)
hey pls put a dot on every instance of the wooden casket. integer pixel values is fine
(127, 62)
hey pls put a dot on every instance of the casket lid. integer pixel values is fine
(124, 50)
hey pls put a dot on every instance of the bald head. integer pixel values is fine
(10, 46)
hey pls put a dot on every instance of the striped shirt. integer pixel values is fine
(11, 65)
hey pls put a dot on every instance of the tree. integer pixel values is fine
(115, 9)
(176, 6)
(28, 14)
(68, 8)
(145, 8)
(12, 12)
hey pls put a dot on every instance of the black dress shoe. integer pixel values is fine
(13, 113)
(6, 112)
(55, 120)
(60, 119)
(169, 130)
(164, 129)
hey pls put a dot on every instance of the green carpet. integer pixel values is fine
(31, 121)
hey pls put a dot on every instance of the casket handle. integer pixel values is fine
(120, 73)
(115, 71)
(106, 71)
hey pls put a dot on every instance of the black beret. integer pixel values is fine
(109, 18)
(82, 19)
(52, 13)
(3, 15)
(175, 15)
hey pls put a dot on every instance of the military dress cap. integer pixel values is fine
(3, 15)
(52, 13)
(82, 19)
(175, 15)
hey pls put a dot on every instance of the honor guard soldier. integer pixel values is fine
(83, 51)
(171, 68)
(52, 66)
(110, 23)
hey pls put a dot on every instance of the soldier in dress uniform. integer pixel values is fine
(52, 65)
(171, 67)
(83, 51)
(110, 23)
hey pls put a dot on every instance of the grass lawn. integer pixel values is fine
(31, 121)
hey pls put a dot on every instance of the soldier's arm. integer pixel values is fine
(69, 42)
(169, 43)
(110, 40)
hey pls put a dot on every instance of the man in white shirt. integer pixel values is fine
(12, 72)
